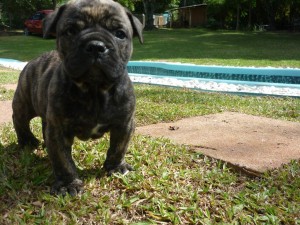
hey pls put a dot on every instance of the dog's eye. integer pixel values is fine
(120, 34)
(71, 31)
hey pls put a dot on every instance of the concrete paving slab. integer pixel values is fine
(250, 142)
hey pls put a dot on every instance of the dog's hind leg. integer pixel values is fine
(21, 121)
(44, 125)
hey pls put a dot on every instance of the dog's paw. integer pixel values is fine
(73, 189)
(123, 168)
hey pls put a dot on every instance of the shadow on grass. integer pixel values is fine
(23, 174)
(26, 176)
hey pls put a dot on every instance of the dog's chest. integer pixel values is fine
(90, 115)
(98, 130)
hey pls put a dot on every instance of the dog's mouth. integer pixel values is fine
(96, 75)
(99, 73)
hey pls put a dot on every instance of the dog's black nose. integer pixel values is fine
(97, 48)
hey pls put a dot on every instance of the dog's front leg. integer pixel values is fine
(59, 147)
(119, 140)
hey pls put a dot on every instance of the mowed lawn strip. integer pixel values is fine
(198, 46)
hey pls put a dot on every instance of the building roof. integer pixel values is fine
(187, 7)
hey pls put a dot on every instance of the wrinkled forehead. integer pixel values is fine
(105, 12)
(90, 3)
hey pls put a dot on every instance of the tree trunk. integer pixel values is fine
(250, 16)
(270, 11)
(10, 15)
(54, 3)
(238, 12)
(149, 12)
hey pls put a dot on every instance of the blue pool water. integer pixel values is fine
(248, 74)
(242, 76)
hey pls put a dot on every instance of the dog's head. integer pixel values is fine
(94, 39)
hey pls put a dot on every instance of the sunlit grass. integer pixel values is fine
(160, 104)
(221, 47)
(8, 76)
(170, 185)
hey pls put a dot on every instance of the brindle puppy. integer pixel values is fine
(82, 89)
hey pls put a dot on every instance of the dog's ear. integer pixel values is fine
(137, 26)
(50, 22)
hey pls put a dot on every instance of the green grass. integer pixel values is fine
(159, 104)
(24, 48)
(6, 94)
(197, 46)
(7, 76)
(221, 48)
(171, 184)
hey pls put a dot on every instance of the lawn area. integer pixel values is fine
(7, 76)
(221, 48)
(171, 184)
(199, 46)
(24, 48)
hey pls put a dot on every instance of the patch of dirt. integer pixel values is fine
(251, 143)
(9, 86)
(6, 112)
(5, 69)
(6, 106)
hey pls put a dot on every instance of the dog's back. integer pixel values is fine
(32, 81)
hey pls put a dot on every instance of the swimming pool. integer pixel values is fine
(253, 80)
(237, 80)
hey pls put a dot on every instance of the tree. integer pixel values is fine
(216, 13)
(16, 11)
(269, 6)
(250, 4)
(280, 14)
(156, 6)
(240, 8)
(149, 12)
(130, 4)
(9, 9)
(229, 14)
(54, 3)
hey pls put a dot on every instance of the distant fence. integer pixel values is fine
(159, 20)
